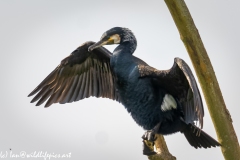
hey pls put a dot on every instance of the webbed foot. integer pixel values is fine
(148, 148)
(148, 141)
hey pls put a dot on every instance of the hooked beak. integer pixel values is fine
(96, 45)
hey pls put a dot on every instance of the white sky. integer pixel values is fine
(36, 35)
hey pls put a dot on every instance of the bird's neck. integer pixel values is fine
(122, 60)
(127, 47)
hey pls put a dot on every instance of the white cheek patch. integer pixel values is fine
(116, 38)
(168, 103)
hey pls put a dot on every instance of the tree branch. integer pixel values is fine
(161, 149)
(220, 116)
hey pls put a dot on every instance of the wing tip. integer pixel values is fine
(46, 106)
(32, 93)
(34, 100)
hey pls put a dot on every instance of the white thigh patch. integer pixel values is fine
(168, 103)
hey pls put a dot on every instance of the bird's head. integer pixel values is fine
(115, 35)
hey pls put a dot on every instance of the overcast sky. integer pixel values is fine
(36, 35)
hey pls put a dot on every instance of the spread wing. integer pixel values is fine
(80, 75)
(179, 82)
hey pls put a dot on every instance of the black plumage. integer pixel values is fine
(162, 101)
(80, 75)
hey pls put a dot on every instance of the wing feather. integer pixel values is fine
(85, 93)
(81, 87)
(44, 97)
(95, 84)
(39, 95)
(80, 75)
(73, 88)
(196, 111)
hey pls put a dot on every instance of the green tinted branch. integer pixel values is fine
(220, 116)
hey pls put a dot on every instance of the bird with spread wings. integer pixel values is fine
(160, 101)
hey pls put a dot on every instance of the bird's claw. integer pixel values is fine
(148, 141)
(149, 136)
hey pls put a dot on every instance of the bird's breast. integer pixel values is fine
(138, 96)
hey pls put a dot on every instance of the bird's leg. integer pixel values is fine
(150, 134)
(148, 140)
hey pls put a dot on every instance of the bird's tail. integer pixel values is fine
(198, 138)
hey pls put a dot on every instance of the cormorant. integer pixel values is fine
(160, 101)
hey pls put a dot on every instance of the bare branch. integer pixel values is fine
(161, 149)
(220, 116)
